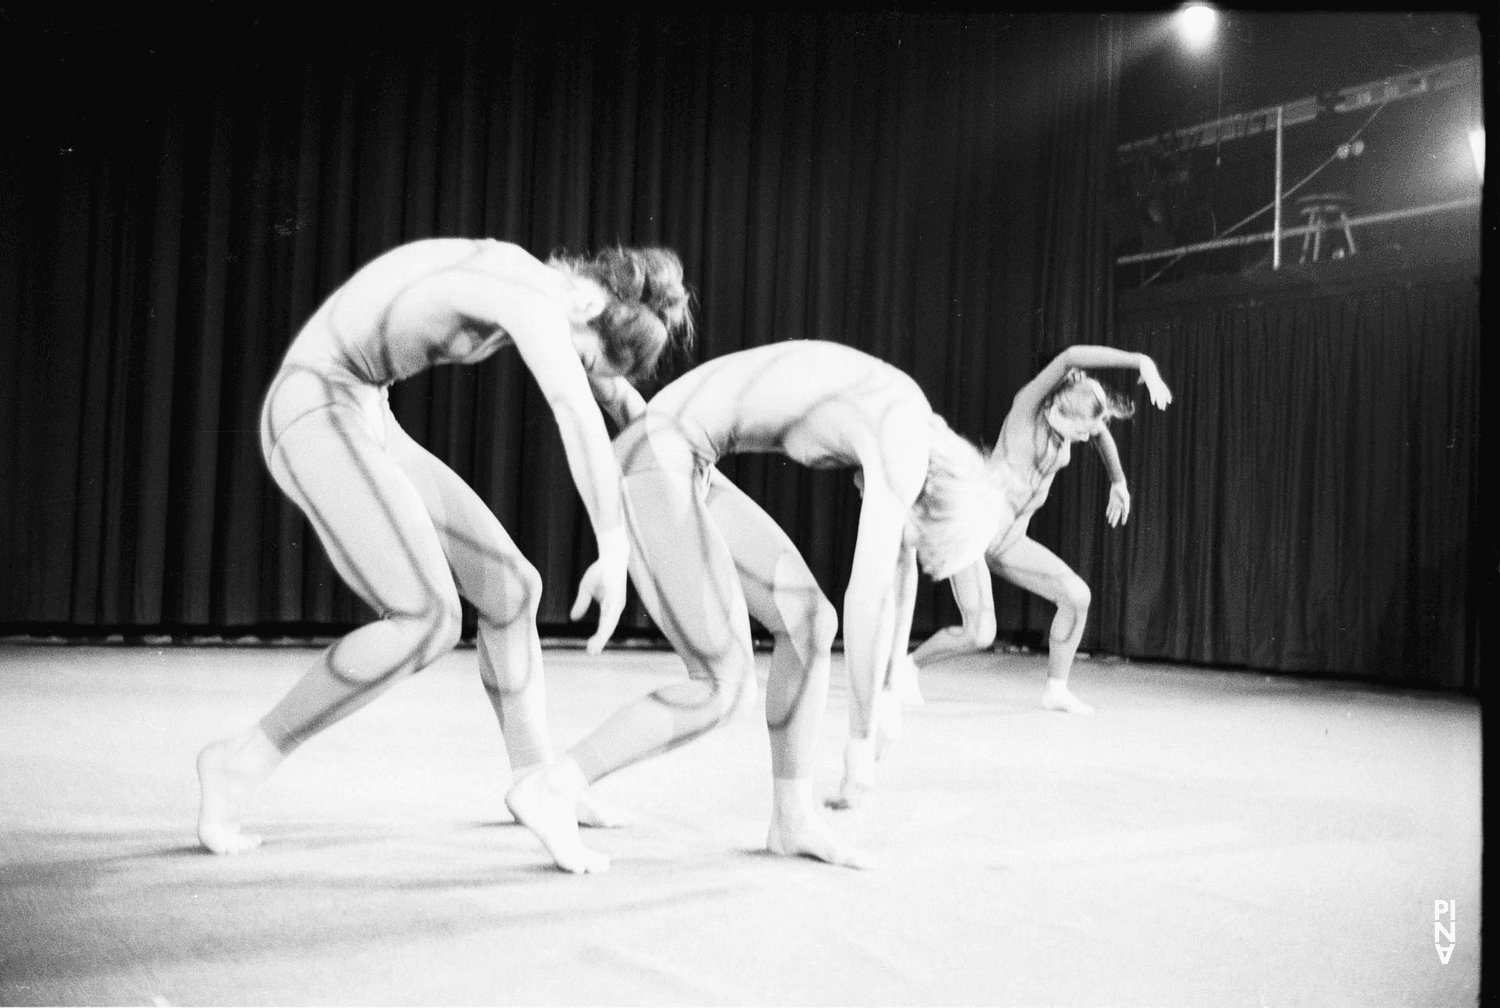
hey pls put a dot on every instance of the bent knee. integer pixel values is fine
(433, 631)
(982, 634)
(814, 632)
(730, 689)
(825, 625)
(1076, 595)
(704, 704)
(514, 595)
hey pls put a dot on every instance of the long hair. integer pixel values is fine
(961, 506)
(648, 305)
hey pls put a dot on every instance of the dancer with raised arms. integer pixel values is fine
(1061, 406)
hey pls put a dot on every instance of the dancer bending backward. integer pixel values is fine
(398, 525)
(1059, 406)
(705, 558)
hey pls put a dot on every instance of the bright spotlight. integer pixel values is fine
(1196, 24)
(1476, 144)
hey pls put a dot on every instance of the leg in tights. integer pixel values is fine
(783, 596)
(976, 606)
(376, 531)
(686, 578)
(505, 589)
(1032, 566)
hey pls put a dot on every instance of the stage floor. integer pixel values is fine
(1206, 838)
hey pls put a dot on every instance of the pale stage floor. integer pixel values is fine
(1207, 838)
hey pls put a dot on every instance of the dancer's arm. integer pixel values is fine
(543, 337)
(1117, 511)
(906, 605)
(1029, 399)
(618, 398)
(870, 624)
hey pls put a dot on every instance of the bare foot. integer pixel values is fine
(226, 787)
(904, 682)
(1058, 697)
(797, 830)
(592, 812)
(546, 802)
(859, 774)
(596, 814)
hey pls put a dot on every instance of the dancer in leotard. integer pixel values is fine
(705, 558)
(398, 525)
(1058, 407)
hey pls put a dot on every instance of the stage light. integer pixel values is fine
(1476, 144)
(1196, 24)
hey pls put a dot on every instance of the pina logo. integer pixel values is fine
(1444, 932)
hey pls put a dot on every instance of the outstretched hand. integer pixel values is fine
(1117, 511)
(1155, 387)
(604, 582)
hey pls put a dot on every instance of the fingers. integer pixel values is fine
(610, 609)
(585, 593)
(601, 637)
(597, 584)
(1161, 396)
(1118, 508)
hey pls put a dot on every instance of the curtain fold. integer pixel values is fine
(1306, 503)
(926, 187)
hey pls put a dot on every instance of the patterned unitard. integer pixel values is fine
(705, 557)
(397, 524)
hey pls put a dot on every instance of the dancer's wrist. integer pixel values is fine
(614, 544)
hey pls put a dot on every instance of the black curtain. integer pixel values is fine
(920, 186)
(1307, 503)
(929, 188)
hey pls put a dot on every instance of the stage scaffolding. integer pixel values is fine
(1276, 119)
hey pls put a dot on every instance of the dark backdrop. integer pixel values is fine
(1307, 502)
(929, 188)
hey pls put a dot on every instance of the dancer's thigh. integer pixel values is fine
(684, 570)
(973, 593)
(366, 512)
(490, 568)
(779, 588)
(1030, 565)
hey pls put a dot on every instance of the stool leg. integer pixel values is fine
(1317, 236)
(1306, 241)
(1348, 232)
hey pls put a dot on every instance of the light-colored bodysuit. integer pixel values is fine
(1024, 495)
(705, 557)
(398, 525)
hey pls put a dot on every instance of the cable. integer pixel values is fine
(1234, 227)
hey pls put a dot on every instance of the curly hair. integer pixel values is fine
(648, 305)
(1084, 398)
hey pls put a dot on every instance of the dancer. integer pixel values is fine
(705, 558)
(398, 525)
(1061, 405)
